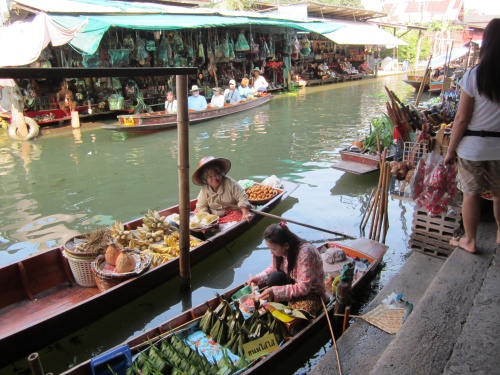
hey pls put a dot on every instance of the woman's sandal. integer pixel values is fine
(455, 241)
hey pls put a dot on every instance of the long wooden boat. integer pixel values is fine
(358, 162)
(40, 301)
(157, 121)
(55, 116)
(361, 247)
(415, 81)
(435, 87)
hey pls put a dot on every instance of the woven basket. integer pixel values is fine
(69, 247)
(82, 271)
(106, 277)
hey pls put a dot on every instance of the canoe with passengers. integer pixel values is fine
(191, 333)
(51, 294)
(157, 121)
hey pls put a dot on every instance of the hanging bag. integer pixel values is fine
(241, 43)
(163, 52)
(119, 56)
(92, 61)
(254, 47)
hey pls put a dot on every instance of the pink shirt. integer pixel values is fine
(308, 275)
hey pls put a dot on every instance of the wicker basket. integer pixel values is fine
(69, 248)
(105, 276)
(82, 271)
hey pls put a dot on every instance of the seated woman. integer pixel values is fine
(170, 103)
(365, 68)
(296, 272)
(259, 84)
(219, 193)
(217, 100)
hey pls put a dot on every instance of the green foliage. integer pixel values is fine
(383, 128)
(409, 52)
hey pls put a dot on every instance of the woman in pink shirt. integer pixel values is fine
(296, 272)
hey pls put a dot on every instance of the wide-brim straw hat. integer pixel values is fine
(194, 88)
(256, 70)
(208, 161)
(218, 89)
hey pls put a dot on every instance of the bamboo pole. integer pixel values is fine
(377, 199)
(380, 216)
(422, 84)
(333, 337)
(386, 221)
(366, 215)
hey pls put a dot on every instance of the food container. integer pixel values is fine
(260, 194)
(247, 302)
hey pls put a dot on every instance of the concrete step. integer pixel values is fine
(453, 328)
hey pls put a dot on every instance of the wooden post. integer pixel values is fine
(183, 166)
(75, 119)
(343, 296)
(346, 318)
(35, 364)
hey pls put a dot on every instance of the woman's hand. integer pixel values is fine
(247, 215)
(450, 157)
(267, 294)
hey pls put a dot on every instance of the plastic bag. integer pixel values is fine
(241, 43)
(92, 61)
(272, 181)
(254, 47)
(140, 52)
(119, 57)
(178, 43)
(163, 52)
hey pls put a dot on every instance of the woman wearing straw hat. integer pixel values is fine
(196, 102)
(259, 84)
(217, 100)
(218, 191)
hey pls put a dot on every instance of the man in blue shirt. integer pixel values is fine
(196, 101)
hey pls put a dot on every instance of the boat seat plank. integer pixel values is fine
(355, 167)
(25, 313)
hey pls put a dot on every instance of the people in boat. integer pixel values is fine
(220, 194)
(365, 68)
(244, 88)
(196, 101)
(295, 274)
(217, 100)
(170, 103)
(259, 84)
(65, 98)
(232, 95)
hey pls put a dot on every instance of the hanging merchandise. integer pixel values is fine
(92, 61)
(227, 50)
(140, 54)
(178, 42)
(119, 56)
(271, 54)
(254, 47)
(288, 48)
(128, 42)
(163, 52)
(170, 56)
(201, 52)
(217, 49)
(157, 35)
(46, 54)
(305, 46)
(150, 42)
(232, 57)
(241, 43)
(296, 45)
(265, 50)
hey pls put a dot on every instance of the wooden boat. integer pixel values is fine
(415, 81)
(40, 301)
(435, 87)
(358, 162)
(156, 121)
(53, 116)
(361, 247)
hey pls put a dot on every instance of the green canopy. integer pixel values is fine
(89, 36)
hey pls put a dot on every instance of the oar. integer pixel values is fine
(298, 223)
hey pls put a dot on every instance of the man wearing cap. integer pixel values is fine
(217, 100)
(259, 84)
(220, 193)
(231, 95)
(196, 101)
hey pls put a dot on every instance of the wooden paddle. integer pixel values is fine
(299, 223)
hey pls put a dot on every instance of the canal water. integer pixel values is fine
(70, 181)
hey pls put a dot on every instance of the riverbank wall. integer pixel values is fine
(453, 328)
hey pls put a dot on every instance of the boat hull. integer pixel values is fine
(158, 121)
(41, 302)
(361, 247)
(358, 163)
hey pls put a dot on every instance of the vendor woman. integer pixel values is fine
(220, 194)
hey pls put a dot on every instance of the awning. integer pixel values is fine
(440, 60)
(477, 42)
(22, 42)
(88, 38)
(360, 33)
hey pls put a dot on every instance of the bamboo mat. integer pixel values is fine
(388, 320)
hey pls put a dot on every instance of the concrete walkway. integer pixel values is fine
(455, 324)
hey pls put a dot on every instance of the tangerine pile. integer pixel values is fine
(260, 192)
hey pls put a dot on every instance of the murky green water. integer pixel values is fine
(71, 181)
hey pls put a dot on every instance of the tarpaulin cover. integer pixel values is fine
(362, 33)
(440, 60)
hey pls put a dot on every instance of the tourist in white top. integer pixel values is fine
(217, 100)
(171, 103)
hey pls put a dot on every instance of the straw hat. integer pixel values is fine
(217, 89)
(256, 70)
(195, 88)
(333, 260)
(209, 161)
